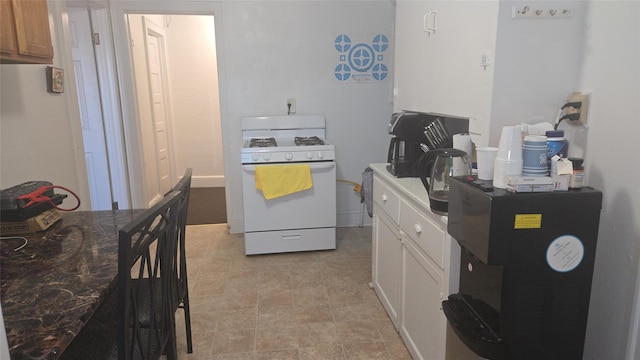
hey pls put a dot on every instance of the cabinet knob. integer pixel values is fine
(384, 197)
(417, 228)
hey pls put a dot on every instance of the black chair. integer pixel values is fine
(184, 187)
(141, 325)
(145, 297)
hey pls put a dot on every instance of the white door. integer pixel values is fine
(154, 42)
(90, 109)
(423, 325)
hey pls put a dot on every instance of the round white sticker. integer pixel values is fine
(565, 253)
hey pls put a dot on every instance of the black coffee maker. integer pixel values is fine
(414, 134)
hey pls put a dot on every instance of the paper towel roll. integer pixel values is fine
(463, 142)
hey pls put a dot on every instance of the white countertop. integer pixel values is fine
(409, 186)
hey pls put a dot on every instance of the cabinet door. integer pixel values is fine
(25, 37)
(7, 26)
(32, 28)
(387, 257)
(423, 324)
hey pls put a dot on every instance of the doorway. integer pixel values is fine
(190, 133)
(176, 92)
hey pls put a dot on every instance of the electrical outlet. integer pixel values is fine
(291, 106)
(583, 111)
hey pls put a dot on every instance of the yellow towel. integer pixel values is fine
(280, 180)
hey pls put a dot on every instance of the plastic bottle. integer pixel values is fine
(556, 144)
(577, 178)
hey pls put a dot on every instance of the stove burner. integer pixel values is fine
(262, 142)
(305, 141)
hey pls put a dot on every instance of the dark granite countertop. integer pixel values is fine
(53, 285)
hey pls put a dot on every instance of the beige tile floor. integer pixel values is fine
(308, 305)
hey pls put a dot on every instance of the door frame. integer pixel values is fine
(132, 131)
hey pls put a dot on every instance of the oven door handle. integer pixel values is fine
(314, 166)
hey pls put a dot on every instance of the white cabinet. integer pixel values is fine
(415, 263)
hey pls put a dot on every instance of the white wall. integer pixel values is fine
(40, 134)
(269, 51)
(537, 66)
(611, 71)
(274, 50)
(195, 105)
(533, 64)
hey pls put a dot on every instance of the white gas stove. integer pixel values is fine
(300, 221)
(282, 139)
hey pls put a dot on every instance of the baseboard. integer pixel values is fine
(206, 181)
(236, 226)
(353, 218)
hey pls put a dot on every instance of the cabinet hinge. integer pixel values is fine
(95, 37)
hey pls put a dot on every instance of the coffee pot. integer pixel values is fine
(436, 168)
(414, 134)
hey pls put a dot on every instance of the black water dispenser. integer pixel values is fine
(525, 270)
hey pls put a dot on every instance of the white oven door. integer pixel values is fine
(313, 208)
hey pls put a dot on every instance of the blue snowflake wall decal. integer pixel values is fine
(361, 62)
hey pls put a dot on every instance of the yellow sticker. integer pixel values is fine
(528, 221)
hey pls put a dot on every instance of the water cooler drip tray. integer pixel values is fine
(476, 324)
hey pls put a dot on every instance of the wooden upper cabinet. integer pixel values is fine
(25, 37)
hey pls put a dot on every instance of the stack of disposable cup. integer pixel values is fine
(509, 157)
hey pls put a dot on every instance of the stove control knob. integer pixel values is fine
(267, 156)
(255, 157)
(321, 154)
(288, 156)
(309, 155)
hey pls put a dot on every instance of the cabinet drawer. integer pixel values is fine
(387, 199)
(424, 232)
